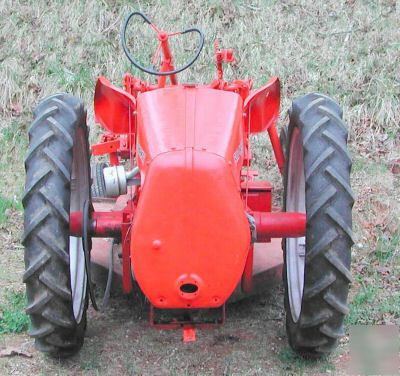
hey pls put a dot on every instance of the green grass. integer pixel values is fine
(362, 164)
(13, 133)
(78, 77)
(371, 303)
(88, 365)
(391, 305)
(388, 247)
(294, 362)
(5, 205)
(362, 306)
(12, 315)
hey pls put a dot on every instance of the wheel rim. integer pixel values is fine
(295, 202)
(80, 186)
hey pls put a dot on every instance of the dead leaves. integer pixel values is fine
(394, 166)
(224, 11)
(14, 351)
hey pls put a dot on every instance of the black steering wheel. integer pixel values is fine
(150, 70)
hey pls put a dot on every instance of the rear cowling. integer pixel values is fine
(190, 235)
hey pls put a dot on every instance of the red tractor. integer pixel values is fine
(180, 201)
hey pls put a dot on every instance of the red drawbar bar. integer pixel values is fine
(279, 225)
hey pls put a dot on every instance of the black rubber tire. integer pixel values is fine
(283, 136)
(98, 184)
(59, 125)
(328, 201)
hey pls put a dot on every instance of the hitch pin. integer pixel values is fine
(189, 333)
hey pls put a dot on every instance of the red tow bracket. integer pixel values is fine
(279, 225)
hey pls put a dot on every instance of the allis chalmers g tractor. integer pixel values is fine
(180, 202)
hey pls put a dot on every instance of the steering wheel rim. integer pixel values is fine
(153, 71)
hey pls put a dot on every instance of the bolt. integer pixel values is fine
(157, 244)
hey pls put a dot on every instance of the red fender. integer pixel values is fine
(262, 106)
(114, 108)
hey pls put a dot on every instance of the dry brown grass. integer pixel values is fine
(347, 49)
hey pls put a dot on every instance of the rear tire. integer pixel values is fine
(98, 184)
(283, 135)
(317, 267)
(57, 182)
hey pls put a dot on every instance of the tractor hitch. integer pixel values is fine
(187, 319)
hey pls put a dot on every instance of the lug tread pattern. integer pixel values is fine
(39, 303)
(37, 144)
(37, 181)
(58, 128)
(98, 185)
(322, 201)
(329, 200)
(332, 139)
(341, 183)
(58, 319)
(35, 266)
(55, 204)
(333, 333)
(46, 200)
(322, 159)
(315, 319)
(54, 286)
(319, 286)
(35, 222)
(58, 165)
(50, 110)
(50, 242)
(322, 245)
(335, 303)
(340, 223)
(42, 331)
(335, 261)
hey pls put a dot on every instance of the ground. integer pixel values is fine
(347, 49)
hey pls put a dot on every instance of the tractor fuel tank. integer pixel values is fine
(190, 235)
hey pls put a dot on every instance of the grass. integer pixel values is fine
(74, 79)
(88, 365)
(295, 363)
(377, 297)
(12, 313)
(5, 204)
(388, 247)
(362, 306)
(370, 306)
(5, 207)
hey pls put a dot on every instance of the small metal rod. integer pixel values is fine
(247, 277)
(167, 64)
(132, 173)
(276, 146)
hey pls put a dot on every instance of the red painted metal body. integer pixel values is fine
(186, 231)
(189, 140)
(114, 108)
